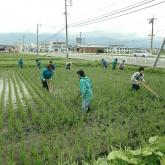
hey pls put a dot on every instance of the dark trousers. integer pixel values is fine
(68, 68)
(113, 67)
(45, 84)
(135, 87)
(21, 66)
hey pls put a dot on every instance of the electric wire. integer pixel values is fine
(101, 20)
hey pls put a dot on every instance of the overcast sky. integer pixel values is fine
(23, 15)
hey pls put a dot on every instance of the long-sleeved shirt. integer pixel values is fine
(86, 88)
(46, 74)
(136, 77)
(20, 62)
(114, 63)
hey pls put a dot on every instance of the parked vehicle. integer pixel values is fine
(141, 53)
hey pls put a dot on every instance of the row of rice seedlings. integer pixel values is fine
(52, 105)
(13, 96)
(10, 155)
(38, 94)
(6, 96)
(2, 129)
(23, 155)
(18, 122)
(44, 119)
(21, 94)
(12, 124)
(22, 113)
(48, 116)
(46, 96)
(2, 92)
(89, 149)
(11, 114)
(32, 104)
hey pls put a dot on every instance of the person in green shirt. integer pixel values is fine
(85, 90)
(114, 64)
(20, 63)
(46, 76)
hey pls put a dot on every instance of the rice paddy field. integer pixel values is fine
(42, 128)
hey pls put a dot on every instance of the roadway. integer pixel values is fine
(141, 61)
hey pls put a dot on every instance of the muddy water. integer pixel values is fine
(13, 95)
(20, 95)
(6, 94)
(26, 92)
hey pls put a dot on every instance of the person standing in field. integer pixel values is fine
(46, 76)
(137, 78)
(114, 64)
(20, 63)
(68, 66)
(38, 63)
(122, 65)
(53, 65)
(104, 63)
(85, 91)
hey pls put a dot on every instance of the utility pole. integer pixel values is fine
(23, 43)
(158, 56)
(80, 39)
(84, 44)
(38, 25)
(66, 24)
(151, 21)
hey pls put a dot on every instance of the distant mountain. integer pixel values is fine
(95, 37)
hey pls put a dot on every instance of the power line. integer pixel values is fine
(110, 5)
(51, 36)
(94, 22)
(114, 12)
(104, 8)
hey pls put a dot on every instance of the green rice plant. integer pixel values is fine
(23, 156)
(51, 127)
(20, 107)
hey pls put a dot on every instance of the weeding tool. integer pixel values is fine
(149, 89)
(49, 86)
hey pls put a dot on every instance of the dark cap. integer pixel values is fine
(141, 68)
(81, 73)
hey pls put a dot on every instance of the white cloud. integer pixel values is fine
(23, 15)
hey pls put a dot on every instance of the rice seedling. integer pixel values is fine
(38, 127)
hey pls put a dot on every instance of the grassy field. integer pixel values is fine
(42, 128)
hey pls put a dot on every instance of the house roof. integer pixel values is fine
(91, 46)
